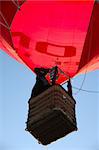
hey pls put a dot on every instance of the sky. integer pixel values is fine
(16, 82)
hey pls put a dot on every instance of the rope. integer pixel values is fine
(16, 4)
(66, 74)
(80, 89)
(6, 23)
(84, 90)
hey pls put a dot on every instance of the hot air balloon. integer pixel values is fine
(52, 36)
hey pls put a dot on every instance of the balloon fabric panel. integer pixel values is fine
(49, 33)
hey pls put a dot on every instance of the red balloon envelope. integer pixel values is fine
(50, 33)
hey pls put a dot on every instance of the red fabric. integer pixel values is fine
(91, 45)
(7, 13)
(52, 33)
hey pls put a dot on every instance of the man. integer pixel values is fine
(69, 86)
(41, 81)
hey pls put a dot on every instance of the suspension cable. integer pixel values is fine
(85, 90)
(79, 89)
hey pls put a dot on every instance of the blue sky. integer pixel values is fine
(16, 82)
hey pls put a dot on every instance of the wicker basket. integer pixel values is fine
(51, 115)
